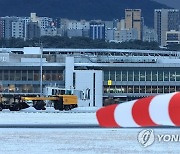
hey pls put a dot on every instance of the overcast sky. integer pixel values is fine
(172, 3)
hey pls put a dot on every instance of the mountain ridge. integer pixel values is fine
(80, 9)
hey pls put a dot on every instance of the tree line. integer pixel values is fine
(79, 42)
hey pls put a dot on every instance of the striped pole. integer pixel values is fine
(160, 110)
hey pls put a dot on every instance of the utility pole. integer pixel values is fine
(41, 75)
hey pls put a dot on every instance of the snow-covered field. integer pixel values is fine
(73, 140)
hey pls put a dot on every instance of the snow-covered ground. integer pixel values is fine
(76, 141)
(73, 140)
(50, 116)
(51, 109)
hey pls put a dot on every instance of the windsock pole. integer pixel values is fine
(160, 110)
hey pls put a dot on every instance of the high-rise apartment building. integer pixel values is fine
(13, 27)
(149, 34)
(133, 20)
(97, 30)
(78, 28)
(126, 35)
(49, 31)
(121, 25)
(7, 22)
(43, 22)
(34, 17)
(18, 29)
(165, 20)
(33, 30)
(172, 37)
(1, 28)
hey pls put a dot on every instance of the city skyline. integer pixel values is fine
(129, 27)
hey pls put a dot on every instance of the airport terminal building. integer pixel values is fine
(131, 73)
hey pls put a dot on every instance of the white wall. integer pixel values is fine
(98, 88)
(32, 50)
(69, 68)
(84, 79)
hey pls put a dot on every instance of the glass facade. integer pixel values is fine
(142, 75)
(31, 75)
(23, 81)
(136, 81)
(140, 89)
(134, 73)
(27, 81)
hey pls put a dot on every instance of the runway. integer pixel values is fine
(75, 133)
(68, 126)
(74, 126)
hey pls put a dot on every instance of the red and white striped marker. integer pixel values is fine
(160, 110)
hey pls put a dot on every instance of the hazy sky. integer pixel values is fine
(172, 3)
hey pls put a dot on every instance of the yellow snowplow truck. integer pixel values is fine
(60, 102)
